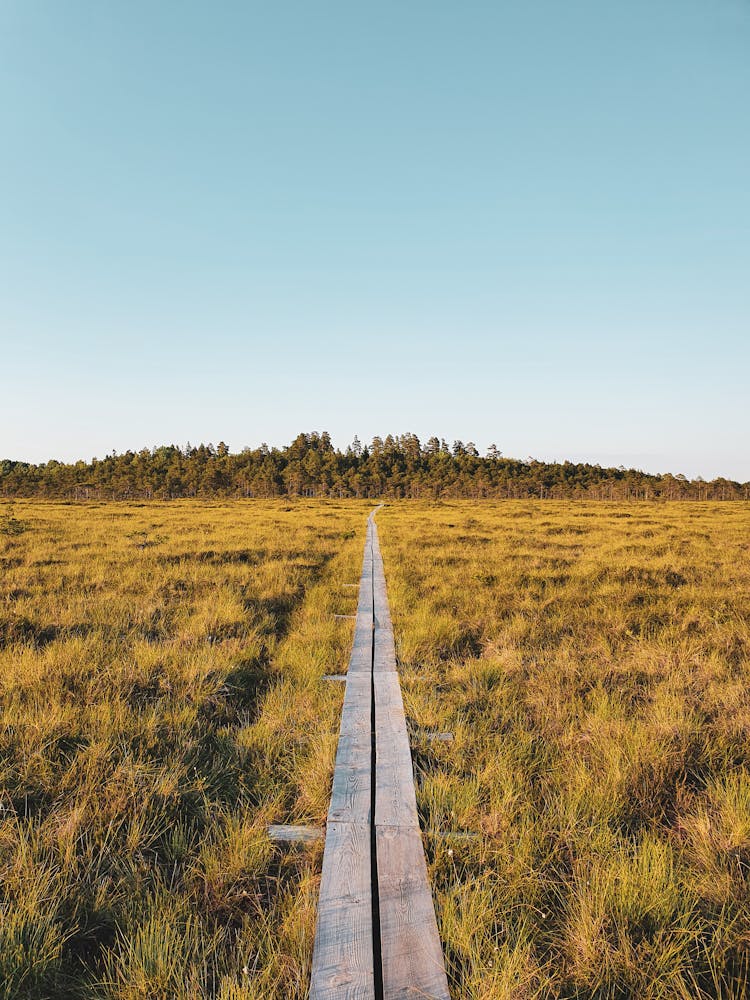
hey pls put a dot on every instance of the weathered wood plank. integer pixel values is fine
(356, 713)
(385, 651)
(364, 600)
(283, 833)
(393, 805)
(361, 655)
(382, 610)
(412, 958)
(351, 795)
(411, 955)
(343, 955)
(395, 798)
(342, 965)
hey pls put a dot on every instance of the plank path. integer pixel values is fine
(376, 935)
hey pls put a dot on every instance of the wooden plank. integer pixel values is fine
(412, 958)
(364, 600)
(385, 650)
(361, 655)
(351, 795)
(356, 714)
(394, 805)
(411, 955)
(395, 801)
(395, 798)
(380, 593)
(283, 833)
(342, 965)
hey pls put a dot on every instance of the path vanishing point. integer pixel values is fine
(376, 936)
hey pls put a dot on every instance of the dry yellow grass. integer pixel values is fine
(160, 703)
(592, 662)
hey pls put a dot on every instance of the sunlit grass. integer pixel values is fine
(587, 828)
(161, 704)
(592, 663)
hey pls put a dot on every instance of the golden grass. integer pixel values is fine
(592, 663)
(161, 703)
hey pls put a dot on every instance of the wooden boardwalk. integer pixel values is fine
(376, 936)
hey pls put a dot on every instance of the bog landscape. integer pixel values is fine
(368, 712)
(574, 681)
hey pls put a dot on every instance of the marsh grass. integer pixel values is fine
(592, 663)
(160, 704)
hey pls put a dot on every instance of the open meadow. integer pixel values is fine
(587, 827)
(591, 662)
(160, 704)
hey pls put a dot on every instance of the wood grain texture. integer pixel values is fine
(364, 601)
(356, 714)
(282, 833)
(385, 651)
(351, 795)
(413, 965)
(342, 965)
(361, 655)
(395, 798)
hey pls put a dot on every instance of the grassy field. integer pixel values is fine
(591, 661)
(160, 703)
(588, 828)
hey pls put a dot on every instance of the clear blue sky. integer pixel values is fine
(521, 223)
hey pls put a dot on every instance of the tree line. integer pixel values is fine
(392, 467)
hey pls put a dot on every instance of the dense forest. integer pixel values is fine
(311, 467)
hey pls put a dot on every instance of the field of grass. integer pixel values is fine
(160, 703)
(588, 827)
(591, 661)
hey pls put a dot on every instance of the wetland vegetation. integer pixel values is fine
(590, 820)
(587, 827)
(160, 704)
